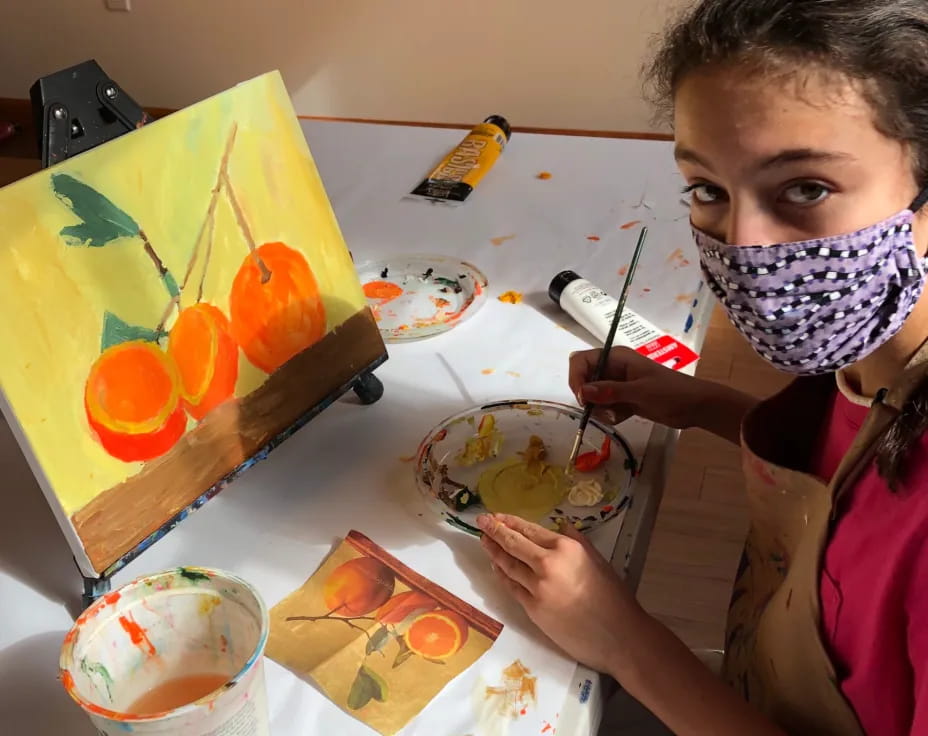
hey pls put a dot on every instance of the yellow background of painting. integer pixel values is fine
(53, 296)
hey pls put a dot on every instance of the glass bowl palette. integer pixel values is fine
(509, 457)
(418, 296)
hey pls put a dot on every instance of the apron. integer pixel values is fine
(774, 653)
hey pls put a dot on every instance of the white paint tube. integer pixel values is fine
(594, 309)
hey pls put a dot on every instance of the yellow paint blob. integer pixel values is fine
(521, 488)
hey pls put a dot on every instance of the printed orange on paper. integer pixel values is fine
(378, 638)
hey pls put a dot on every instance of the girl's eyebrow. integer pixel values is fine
(789, 156)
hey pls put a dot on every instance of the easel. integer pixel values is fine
(79, 108)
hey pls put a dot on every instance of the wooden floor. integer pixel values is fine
(701, 525)
(702, 521)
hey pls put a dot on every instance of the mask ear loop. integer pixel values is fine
(920, 201)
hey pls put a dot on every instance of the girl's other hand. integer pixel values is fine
(565, 586)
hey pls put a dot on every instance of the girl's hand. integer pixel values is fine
(566, 587)
(633, 385)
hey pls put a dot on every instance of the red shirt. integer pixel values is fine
(874, 585)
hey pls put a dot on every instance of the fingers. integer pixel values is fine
(508, 566)
(535, 533)
(516, 590)
(513, 542)
(581, 368)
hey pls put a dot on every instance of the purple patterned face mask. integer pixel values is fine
(816, 306)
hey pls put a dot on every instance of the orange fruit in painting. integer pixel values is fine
(206, 357)
(437, 635)
(403, 605)
(357, 587)
(274, 318)
(132, 401)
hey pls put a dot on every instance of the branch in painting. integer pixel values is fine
(329, 617)
(246, 232)
(209, 221)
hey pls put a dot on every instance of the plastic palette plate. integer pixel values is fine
(441, 477)
(413, 297)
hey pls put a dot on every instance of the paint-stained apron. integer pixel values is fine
(775, 656)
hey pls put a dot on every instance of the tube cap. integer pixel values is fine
(500, 122)
(561, 282)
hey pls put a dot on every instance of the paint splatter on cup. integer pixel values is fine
(180, 653)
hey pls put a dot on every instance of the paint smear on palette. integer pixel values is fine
(623, 270)
(544, 175)
(412, 297)
(510, 297)
(488, 371)
(677, 259)
(502, 239)
(593, 238)
(629, 225)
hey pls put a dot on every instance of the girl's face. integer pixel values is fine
(781, 159)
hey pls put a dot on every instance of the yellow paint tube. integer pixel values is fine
(458, 174)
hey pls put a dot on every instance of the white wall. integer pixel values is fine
(549, 63)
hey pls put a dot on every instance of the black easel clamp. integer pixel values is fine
(79, 108)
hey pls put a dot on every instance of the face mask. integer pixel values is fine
(816, 306)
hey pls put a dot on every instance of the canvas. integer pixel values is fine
(177, 301)
(379, 639)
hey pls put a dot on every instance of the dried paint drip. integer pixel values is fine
(502, 239)
(510, 297)
(544, 175)
(593, 238)
(677, 259)
(630, 225)
(516, 693)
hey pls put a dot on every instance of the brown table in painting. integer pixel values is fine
(345, 471)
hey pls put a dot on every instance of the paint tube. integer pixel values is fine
(460, 171)
(594, 309)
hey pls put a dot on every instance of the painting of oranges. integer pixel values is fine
(377, 637)
(185, 300)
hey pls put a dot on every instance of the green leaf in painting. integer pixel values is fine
(378, 641)
(404, 653)
(367, 686)
(101, 220)
(116, 330)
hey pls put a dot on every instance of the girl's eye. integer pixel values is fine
(806, 193)
(705, 193)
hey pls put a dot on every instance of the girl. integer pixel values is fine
(801, 128)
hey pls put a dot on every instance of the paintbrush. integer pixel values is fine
(607, 347)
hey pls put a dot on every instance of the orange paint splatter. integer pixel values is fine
(623, 270)
(547, 727)
(517, 692)
(544, 175)
(594, 238)
(488, 371)
(67, 680)
(136, 634)
(629, 225)
(510, 297)
(645, 290)
(684, 298)
(513, 374)
(385, 291)
(111, 598)
(502, 239)
(439, 302)
(677, 259)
